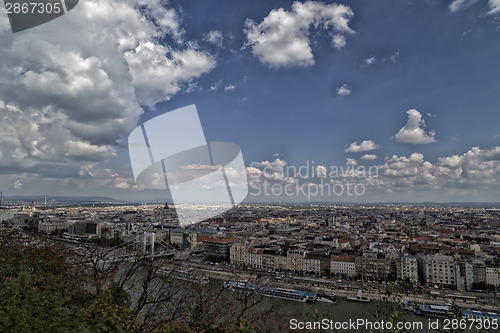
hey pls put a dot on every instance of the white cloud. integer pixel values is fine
(321, 171)
(73, 88)
(369, 157)
(476, 171)
(86, 151)
(274, 171)
(230, 87)
(366, 145)
(351, 162)
(494, 7)
(414, 130)
(344, 90)
(157, 77)
(214, 37)
(339, 41)
(282, 38)
(17, 184)
(394, 57)
(457, 5)
(215, 85)
(369, 61)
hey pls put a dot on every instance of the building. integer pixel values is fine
(295, 260)
(464, 275)
(82, 228)
(177, 237)
(372, 268)
(280, 262)
(409, 269)
(268, 258)
(439, 270)
(493, 275)
(217, 248)
(479, 268)
(254, 258)
(183, 238)
(312, 264)
(343, 266)
(238, 253)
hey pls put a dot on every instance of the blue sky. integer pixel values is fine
(350, 82)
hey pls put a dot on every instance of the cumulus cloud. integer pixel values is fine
(475, 171)
(457, 5)
(72, 88)
(282, 38)
(344, 90)
(369, 157)
(230, 87)
(274, 171)
(369, 61)
(321, 171)
(215, 85)
(214, 37)
(414, 130)
(366, 145)
(351, 162)
(394, 56)
(17, 184)
(494, 7)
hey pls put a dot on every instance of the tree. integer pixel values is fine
(103, 315)
(34, 294)
(46, 287)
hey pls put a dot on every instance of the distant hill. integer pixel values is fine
(37, 199)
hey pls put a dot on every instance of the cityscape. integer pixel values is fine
(179, 166)
(446, 254)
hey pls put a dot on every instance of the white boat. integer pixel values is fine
(327, 298)
(288, 294)
(359, 297)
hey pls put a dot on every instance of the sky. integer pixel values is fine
(381, 101)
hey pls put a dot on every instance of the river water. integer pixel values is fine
(344, 315)
(352, 316)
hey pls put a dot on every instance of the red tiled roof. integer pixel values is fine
(201, 238)
(255, 251)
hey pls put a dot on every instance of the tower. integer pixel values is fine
(151, 236)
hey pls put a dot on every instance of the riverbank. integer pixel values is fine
(374, 295)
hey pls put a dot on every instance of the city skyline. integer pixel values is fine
(409, 89)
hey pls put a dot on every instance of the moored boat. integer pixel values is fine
(359, 297)
(327, 297)
(433, 310)
(288, 294)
